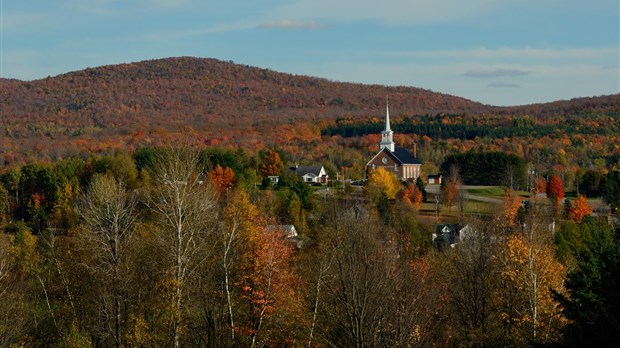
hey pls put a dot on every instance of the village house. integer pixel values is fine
(392, 158)
(312, 175)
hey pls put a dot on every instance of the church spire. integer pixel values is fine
(387, 114)
(387, 141)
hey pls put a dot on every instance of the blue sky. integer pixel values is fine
(500, 52)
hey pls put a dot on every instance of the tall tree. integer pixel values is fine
(593, 300)
(186, 211)
(270, 163)
(450, 190)
(530, 275)
(239, 222)
(109, 213)
(555, 189)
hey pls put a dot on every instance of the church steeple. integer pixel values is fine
(387, 141)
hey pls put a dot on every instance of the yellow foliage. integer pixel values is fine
(531, 273)
(383, 181)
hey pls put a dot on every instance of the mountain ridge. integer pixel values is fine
(220, 102)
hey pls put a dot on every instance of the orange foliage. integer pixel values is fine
(270, 164)
(223, 178)
(579, 209)
(412, 195)
(540, 186)
(510, 208)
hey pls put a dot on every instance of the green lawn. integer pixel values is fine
(494, 192)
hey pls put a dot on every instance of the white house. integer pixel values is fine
(312, 175)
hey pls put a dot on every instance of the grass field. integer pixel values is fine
(494, 192)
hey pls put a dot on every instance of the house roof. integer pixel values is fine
(301, 171)
(404, 156)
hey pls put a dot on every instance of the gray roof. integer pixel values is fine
(301, 171)
(404, 156)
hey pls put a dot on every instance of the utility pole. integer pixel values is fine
(436, 209)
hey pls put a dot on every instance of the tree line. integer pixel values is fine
(177, 247)
(431, 126)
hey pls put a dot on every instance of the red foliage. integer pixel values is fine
(555, 188)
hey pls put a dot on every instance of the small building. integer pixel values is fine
(289, 232)
(312, 174)
(435, 179)
(452, 234)
(274, 179)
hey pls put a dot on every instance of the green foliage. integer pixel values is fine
(123, 168)
(487, 168)
(266, 183)
(145, 158)
(420, 184)
(611, 195)
(592, 183)
(593, 301)
(431, 126)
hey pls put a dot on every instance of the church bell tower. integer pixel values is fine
(387, 141)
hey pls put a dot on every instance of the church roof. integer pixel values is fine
(404, 156)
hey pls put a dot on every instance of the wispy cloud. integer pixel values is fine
(21, 21)
(504, 85)
(290, 25)
(390, 11)
(610, 67)
(518, 53)
(491, 73)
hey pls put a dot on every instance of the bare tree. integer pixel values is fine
(186, 209)
(109, 214)
(371, 297)
(471, 271)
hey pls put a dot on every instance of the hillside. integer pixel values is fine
(210, 101)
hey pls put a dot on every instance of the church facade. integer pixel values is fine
(393, 158)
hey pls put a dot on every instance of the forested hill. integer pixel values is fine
(145, 102)
(195, 87)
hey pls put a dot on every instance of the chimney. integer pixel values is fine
(415, 150)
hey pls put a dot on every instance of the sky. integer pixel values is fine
(498, 52)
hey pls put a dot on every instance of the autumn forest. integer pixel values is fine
(138, 208)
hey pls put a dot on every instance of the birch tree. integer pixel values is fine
(186, 212)
(109, 213)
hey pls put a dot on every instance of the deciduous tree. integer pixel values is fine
(530, 276)
(382, 181)
(270, 163)
(186, 212)
(109, 213)
(223, 179)
(579, 209)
